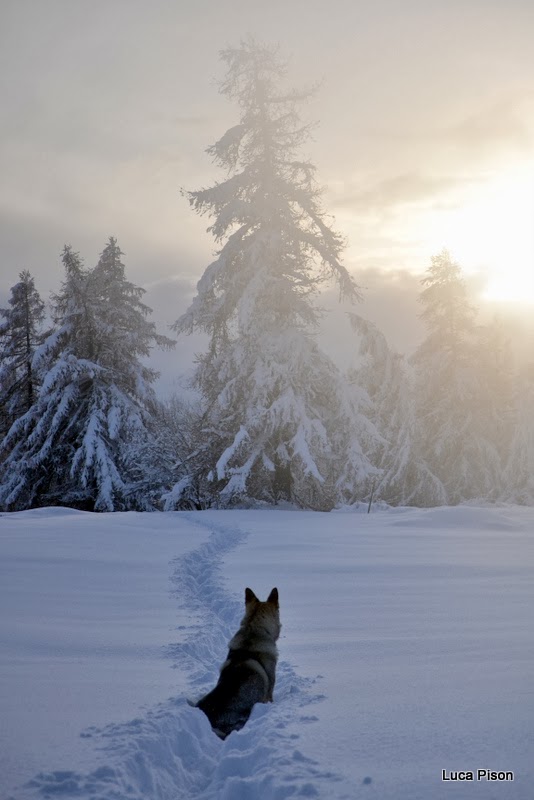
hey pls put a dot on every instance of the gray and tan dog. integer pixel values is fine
(248, 674)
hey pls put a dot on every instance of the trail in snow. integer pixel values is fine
(171, 753)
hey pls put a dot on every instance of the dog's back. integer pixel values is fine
(248, 674)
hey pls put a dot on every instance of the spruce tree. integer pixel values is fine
(21, 333)
(387, 381)
(449, 389)
(518, 477)
(125, 339)
(494, 420)
(278, 422)
(83, 441)
(181, 435)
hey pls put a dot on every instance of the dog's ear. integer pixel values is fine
(250, 596)
(273, 597)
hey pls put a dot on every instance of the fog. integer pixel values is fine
(108, 109)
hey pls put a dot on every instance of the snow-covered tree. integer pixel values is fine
(494, 419)
(181, 423)
(81, 441)
(21, 333)
(449, 390)
(278, 420)
(122, 415)
(387, 380)
(518, 479)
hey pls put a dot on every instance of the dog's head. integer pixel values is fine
(262, 613)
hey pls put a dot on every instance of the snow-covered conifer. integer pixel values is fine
(182, 434)
(449, 389)
(21, 333)
(79, 443)
(387, 379)
(278, 422)
(518, 479)
(494, 369)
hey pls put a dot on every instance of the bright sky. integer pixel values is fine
(426, 135)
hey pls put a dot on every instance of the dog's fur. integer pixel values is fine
(248, 674)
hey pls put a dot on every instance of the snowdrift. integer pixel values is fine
(406, 649)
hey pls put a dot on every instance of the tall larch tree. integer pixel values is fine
(21, 333)
(278, 422)
(79, 443)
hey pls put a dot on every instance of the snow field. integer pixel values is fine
(85, 617)
(406, 649)
(418, 624)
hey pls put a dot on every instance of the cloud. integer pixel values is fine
(169, 298)
(433, 166)
(506, 124)
(405, 189)
(193, 122)
(30, 242)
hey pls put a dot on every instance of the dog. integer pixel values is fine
(247, 676)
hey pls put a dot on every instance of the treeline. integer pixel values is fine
(456, 419)
(276, 420)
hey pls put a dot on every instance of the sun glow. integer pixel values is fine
(493, 233)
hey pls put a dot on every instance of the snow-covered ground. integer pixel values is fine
(407, 648)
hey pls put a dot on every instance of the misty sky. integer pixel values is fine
(426, 109)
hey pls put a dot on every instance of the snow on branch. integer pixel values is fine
(222, 463)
